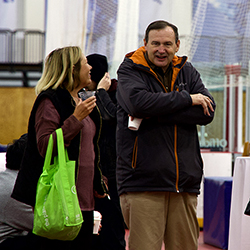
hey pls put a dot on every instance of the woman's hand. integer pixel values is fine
(105, 82)
(105, 182)
(100, 195)
(84, 108)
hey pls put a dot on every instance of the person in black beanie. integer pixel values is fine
(112, 234)
(99, 65)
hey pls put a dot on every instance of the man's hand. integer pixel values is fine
(204, 101)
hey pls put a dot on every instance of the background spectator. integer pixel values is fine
(111, 236)
(16, 218)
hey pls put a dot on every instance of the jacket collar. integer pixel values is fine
(138, 58)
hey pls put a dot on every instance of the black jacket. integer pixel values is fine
(32, 164)
(164, 154)
(106, 102)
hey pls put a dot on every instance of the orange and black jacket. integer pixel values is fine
(164, 154)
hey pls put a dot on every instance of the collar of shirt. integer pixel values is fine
(165, 77)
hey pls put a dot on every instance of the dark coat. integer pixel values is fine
(32, 164)
(164, 154)
(106, 102)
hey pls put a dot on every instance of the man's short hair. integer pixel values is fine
(161, 24)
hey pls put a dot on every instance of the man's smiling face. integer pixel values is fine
(161, 47)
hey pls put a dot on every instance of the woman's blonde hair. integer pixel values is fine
(62, 68)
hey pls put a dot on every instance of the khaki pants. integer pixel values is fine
(154, 217)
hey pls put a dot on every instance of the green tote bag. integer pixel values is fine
(57, 214)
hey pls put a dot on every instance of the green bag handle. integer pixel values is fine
(48, 155)
(62, 153)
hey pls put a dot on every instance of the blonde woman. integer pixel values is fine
(66, 72)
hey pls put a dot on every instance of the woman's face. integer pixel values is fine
(84, 74)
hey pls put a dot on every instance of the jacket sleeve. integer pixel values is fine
(192, 114)
(19, 215)
(106, 106)
(140, 95)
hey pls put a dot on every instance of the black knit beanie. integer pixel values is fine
(99, 65)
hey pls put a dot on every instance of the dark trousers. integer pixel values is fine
(18, 243)
(83, 241)
(112, 234)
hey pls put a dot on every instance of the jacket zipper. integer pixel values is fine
(175, 137)
(98, 152)
(175, 151)
(134, 156)
(98, 149)
(153, 74)
(176, 159)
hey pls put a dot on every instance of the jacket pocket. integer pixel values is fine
(135, 149)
